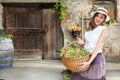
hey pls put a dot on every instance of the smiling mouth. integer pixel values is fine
(97, 21)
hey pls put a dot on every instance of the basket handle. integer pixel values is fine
(72, 42)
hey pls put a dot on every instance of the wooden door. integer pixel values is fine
(34, 27)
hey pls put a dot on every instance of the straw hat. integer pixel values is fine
(103, 11)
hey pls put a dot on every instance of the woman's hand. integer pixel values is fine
(83, 66)
(80, 41)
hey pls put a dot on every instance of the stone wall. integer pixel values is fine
(79, 9)
(118, 10)
(112, 45)
(27, 1)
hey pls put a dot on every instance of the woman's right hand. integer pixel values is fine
(80, 41)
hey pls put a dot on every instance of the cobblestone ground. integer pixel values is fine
(47, 70)
(113, 71)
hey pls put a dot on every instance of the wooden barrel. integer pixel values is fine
(6, 44)
(6, 59)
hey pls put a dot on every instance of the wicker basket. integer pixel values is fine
(73, 63)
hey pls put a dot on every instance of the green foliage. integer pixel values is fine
(3, 35)
(62, 51)
(68, 76)
(9, 36)
(84, 52)
(1, 32)
(61, 8)
(111, 22)
(72, 45)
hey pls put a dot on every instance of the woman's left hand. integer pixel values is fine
(84, 65)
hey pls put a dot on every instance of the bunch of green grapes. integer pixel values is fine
(70, 54)
(73, 52)
(62, 51)
(77, 49)
(84, 52)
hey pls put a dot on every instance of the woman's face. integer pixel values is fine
(99, 19)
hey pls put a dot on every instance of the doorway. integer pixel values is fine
(35, 29)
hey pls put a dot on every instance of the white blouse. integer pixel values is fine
(92, 37)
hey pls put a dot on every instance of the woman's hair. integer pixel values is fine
(92, 24)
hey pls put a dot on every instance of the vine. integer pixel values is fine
(62, 9)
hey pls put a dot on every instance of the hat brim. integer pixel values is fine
(107, 17)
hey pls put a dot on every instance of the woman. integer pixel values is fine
(95, 36)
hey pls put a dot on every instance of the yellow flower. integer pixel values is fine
(74, 28)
